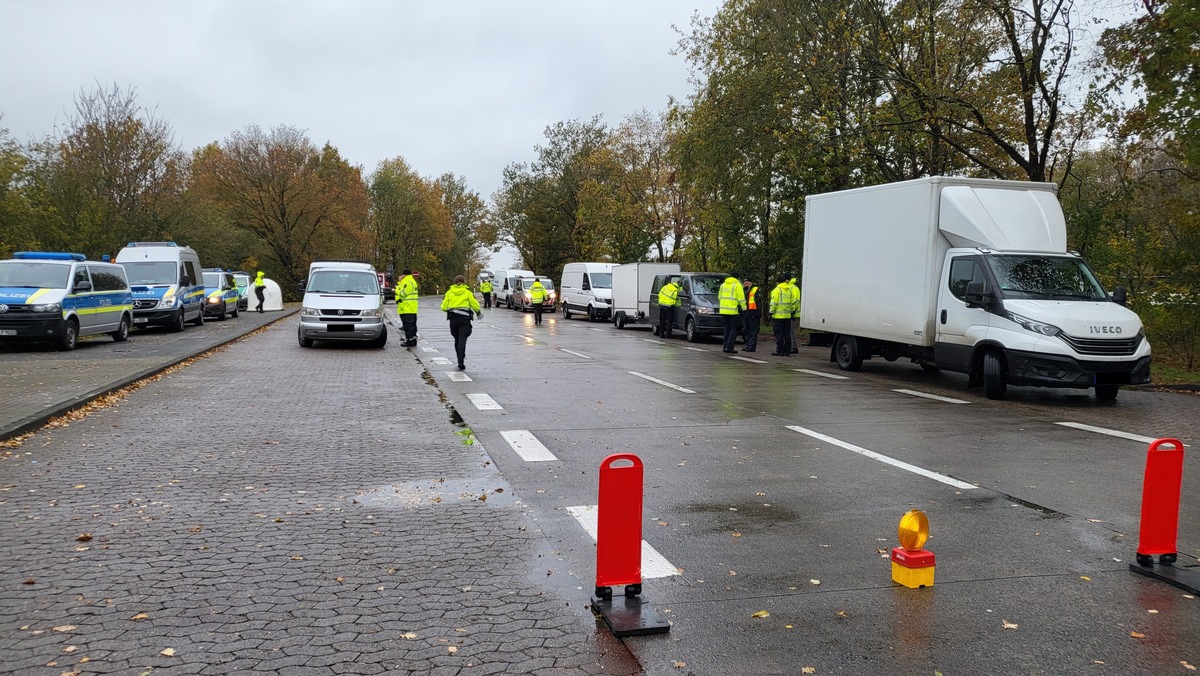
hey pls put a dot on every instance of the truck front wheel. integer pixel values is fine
(619, 320)
(1107, 392)
(995, 379)
(845, 352)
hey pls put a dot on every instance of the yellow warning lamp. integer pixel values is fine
(912, 564)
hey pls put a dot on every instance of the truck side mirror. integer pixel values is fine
(300, 286)
(1119, 295)
(976, 296)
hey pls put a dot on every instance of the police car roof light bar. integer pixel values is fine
(49, 256)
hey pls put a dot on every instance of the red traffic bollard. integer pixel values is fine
(619, 525)
(1160, 502)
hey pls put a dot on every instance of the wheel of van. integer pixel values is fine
(619, 320)
(846, 354)
(199, 321)
(689, 327)
(591, 314)
(178, 324)
(70, 336)
(508, 302)
(995, 379)
(234, 314)
(381, 340)
(566, 311)
(1107, 392)
(221, 317)
(122, 333)
(304, 342)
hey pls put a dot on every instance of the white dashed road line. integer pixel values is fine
(484, 403)
(652, 340)
(883, 458)
(577, 354)
(948, 400)
(1111, 433)
(527, 446)
(749, 359)
(822, 374)
(458, 376)
(426, 348)
(662, 382)
(440, 361)
(653, 563)
(695, 349)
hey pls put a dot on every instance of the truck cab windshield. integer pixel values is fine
(1045, 278)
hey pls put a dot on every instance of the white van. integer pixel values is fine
(504, 283)
(62, 296)
(587, 288)
(342, 301)
(167, 283)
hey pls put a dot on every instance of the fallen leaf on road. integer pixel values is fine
(1186, 665)
(1152, 611)
(168, 652)
(70, 649)
(339, 580)
(1085, 577)
(814, 582)
(80, 486)
(1009, 625)
(83, 537)
(452, 650)
(761, 613)
(408, 635)
(140, 616)
(29, 580)
(1137, 634)
(678, 665)
(737, 534)
(808, 670)
(63, 627)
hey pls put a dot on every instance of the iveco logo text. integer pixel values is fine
(1104, 329)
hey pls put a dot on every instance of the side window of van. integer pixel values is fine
(106, 279)
(193, 273)
(587, 283)
(685, 286)
(81, 275)
(962, 271)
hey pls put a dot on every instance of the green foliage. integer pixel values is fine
(411, 224)
(469, 216)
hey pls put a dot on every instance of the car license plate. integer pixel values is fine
(340, 327)
(140, 320)
(8, 332)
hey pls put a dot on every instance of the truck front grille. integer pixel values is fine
(1121, 347)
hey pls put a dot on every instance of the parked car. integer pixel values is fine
(521, 297)
(587, 288)
(58, 297)
(699, 310)
(243, 279)
(220, 294)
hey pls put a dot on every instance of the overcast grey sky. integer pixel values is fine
(466, 86)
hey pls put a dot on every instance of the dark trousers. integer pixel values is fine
(537, 313)
(260, 294)
(751, 320)
(408, 322)
(460, 328)
(666, 320)
(729, 323)
(487, 298)
(783, 335)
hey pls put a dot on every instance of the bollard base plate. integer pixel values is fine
(630, 616)
(1184, 577)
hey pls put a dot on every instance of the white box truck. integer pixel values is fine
(631, 285)
(966, 275)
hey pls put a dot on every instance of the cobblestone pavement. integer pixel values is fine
(270, 509)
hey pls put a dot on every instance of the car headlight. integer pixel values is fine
(168, 302)
(214, 299)
(309, 312)
(372, 313)
(1035, 326)
(48, 307)
(704, 310)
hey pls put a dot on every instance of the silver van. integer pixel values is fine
(342, 301)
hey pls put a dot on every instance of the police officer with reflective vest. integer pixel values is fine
(668, 300)
(260, 290)
(537, 296)
(752, 317)
(460, 304)
(485, 287)
(733, 303)
(781, 316)
(406, 306)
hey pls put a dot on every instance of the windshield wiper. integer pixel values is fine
(1031, 292)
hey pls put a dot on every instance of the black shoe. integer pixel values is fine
(749, 349)
(729, 351)
(462, 367)
(778, 354)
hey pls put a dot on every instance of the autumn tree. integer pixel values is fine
(299, 201)
(16, 231)
(468, 216)
(410, 223)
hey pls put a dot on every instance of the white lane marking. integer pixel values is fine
(596, 329)
(458, 376)
(1111, 433)
(652, 340)
(948, 400)
(484, 403)
(883, 458)
(695, 349)
(527, 446)
(577, 354)
(752, 361)
(653, 563)
(823, 374)
(429, 349)
(440, 361)
(662, 382)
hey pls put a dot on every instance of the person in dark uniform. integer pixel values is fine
(460, 306)
(751, 318)
(260, 290)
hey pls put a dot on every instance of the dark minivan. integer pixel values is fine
(699, 311)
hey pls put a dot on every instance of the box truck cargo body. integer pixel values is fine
(966, 275)
(631, 284)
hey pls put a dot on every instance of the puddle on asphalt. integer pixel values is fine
(484, 490)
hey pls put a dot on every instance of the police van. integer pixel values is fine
(167, 283)
(222, 299)
(58, 297)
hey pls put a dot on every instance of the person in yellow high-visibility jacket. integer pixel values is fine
(752, 318)
(406, 306)
(460, 304)
(733, 303)
(781, 316)
(485, 287)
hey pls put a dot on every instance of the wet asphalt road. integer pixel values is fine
(754, 515)
(755, 500)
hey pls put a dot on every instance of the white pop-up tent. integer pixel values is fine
(272, 296)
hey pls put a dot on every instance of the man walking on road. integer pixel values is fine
(781, 317)
(668, 298)
(460, 304)
(406, 306)
(537, 296)
(733, 303)
(485, 287)
(260, 290)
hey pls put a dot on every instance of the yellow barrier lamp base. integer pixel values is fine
(912, 565)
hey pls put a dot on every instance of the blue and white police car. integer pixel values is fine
(221, 294)
(58, 297)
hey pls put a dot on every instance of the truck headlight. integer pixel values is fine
(309, 312)
(703, 310)
(48, 307)
(1035, 326)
